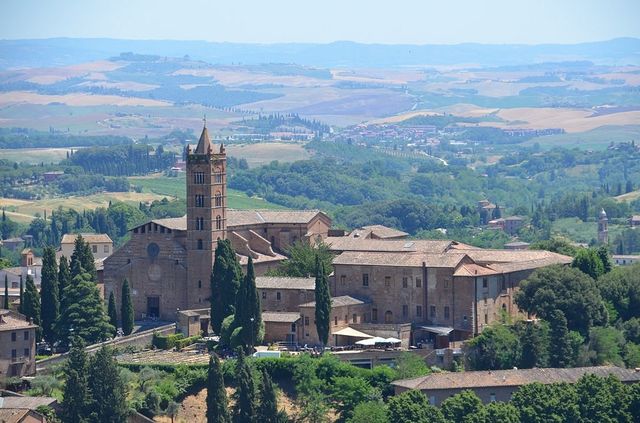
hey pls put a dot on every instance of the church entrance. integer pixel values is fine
(153, 307)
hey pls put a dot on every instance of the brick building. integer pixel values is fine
(17, 345)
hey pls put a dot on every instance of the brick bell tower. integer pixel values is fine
(206, 215)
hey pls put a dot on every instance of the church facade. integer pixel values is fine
(168, 262)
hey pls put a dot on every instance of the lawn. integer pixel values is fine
(176, 188)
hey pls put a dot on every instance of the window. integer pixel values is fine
(405, 310)
(278, 296)
(199, 223)
(418, 283)
(374, 314)
(198, 178)
(354, 318)
(218, 198)
(446, 312)
(13, 337)
(387, 281)
(306, 321)
(94, 248)
(26, 352)
(432, 312)
(432, 400)
(388, 316)
(106, 247)
(200, 246)
(405, 282)
(161, 229)
(343, 280)
(142, 229)
(218, 222)
(504, 284)
(199, 284)
(492, 397)
(14, 284)
(419, 311)
(26, 335)
(199, 200)
(365, 279)
(335, 321)
(485, 282)
(293, 327)
(14, 353)
(486, 319)
(346, 318)
(218, 176)
(464, 318)
(264, 295)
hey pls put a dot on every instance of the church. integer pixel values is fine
(168, 262)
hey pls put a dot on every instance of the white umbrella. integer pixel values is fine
(393, 340)
(371, 341)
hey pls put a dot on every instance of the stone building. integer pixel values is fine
(100, 244)
(282, 294)
(603, 228)
(168, 262)
(17, 345)
(345, 311)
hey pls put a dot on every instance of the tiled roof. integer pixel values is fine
(254, 217)
(344, 300)
(24, 402)
(280, 317)
(277, 282)
(510, 256)
(381, 231)
(12, 415)
(344, 243)
(514, 377)
(367, 258)
(90, 238)
(10, 320)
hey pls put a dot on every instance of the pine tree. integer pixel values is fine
(49, 290)
(244, 410)
(31, 307)
(108, 391)
(112, 313)
(323, 303)
(561, 353)
(225, 282)
(6, 292)
(75, 394)
(83, 314)
(126, 311)
(268, 407)
(64, 279)
(217, 408)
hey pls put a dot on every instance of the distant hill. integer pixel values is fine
(68, 51)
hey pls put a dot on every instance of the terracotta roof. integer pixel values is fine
(381, 231)
(254, 217)
(514, 377)
(10, 320)
(345, 243)
(529, 264)
(280, 317)
(510, 256)
(90, 238)
(367, 258)
(24, 402)
(472, 269)
(344, 300)
(517, 244)
(174, 223)
(12, 415)
(278, 282)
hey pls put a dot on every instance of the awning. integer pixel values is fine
(439, 330)
(372, 341)
(352, 333)
(393, 340)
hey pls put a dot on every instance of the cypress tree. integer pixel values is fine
(217, 408)
(249, 314)
(82, 252)
(21, 296)
(108, 391)
(126, 312)
(225, 283)
(268, 407)
(64, 279)
(6, 292)
(113, 314)
(31, 307)
(561, 353)
(244, 410)
(49, 290)
(75, 394)
(83, 314)
(323, 303)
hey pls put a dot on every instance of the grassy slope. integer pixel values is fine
(579, 231)
(596, 139)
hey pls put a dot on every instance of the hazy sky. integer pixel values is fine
(372, 21)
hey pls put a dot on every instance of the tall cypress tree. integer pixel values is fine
(75, 393)
(561, 353)
(20, 307)
(6, 292)
(268, 407)
(126, 311)
(49, 290)
(250, 316)
(217, 408)
(113, 313)
(225, 283)
(31, 307)
(323, 303)
(82, 253)
(108, 391)
(244, 410)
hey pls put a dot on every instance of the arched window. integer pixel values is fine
(199, 223)
(200, 244)
(388, 317)
(218, 197)
(218, 175)
(218, 222)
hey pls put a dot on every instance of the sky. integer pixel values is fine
(324, 21)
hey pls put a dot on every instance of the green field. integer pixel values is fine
(34, 155)
(176, 188)
(596, 139)
(583, 232)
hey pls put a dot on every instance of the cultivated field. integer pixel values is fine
(265, 153)
(76, 99)
(34, 155)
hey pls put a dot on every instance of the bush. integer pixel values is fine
(181, 343)
(166, 342)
